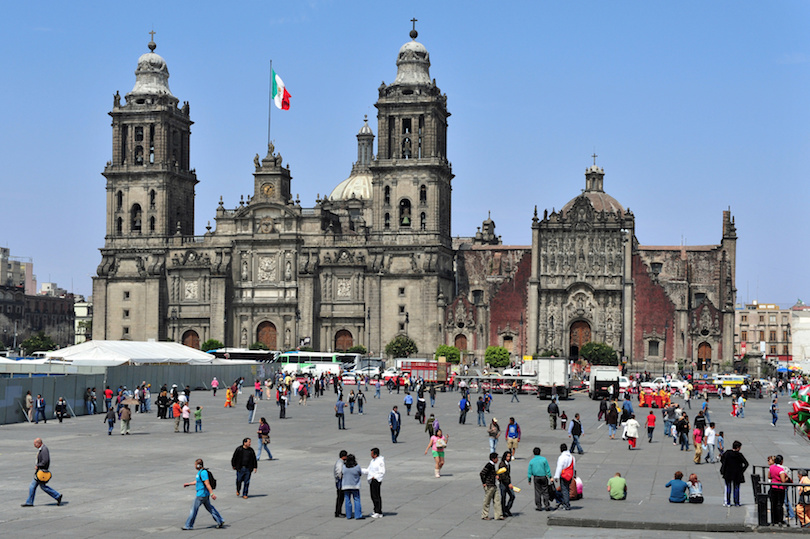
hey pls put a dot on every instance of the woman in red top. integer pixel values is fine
(650, 424)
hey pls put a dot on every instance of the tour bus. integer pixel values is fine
(732, 380)
(315, 363)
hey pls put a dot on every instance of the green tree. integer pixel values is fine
(358, 349)
(599, 353)
(211, 344)
(38, 342)
(549, 352)
(259, 346)
(496, 356)
(401, 346)
(451, 353)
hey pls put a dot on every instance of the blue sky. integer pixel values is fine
(692, 107)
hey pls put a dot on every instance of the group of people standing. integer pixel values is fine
(348, 475)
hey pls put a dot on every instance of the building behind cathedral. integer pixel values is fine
(376, 259)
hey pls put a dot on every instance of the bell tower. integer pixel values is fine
(150, 187)
(411, 175)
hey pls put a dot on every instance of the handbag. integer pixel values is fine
(43, 476)
(441, 443)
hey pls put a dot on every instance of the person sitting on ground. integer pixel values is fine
(695, 489)
(617, 487)
(679, 489)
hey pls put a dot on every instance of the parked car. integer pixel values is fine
(348, 378)
(368, 371)
(658, 383)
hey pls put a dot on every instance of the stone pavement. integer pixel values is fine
(132, 485)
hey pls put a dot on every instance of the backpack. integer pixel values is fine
(467, 405)
(211, 480)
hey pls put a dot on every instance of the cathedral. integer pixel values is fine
(375, 258)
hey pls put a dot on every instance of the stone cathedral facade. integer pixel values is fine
(375, 258)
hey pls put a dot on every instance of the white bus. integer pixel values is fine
(315, 363)
(244, 353)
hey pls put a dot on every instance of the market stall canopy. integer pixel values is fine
(112, 353)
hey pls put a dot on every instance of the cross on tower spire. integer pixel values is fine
(414, 33)
(594, 158)
(152, 45)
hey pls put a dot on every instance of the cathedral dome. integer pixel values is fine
(355, 186)
(594, 192)
(152, 74)
(413, 63)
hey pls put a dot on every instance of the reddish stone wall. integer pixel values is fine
(509, 302)
(652, 310)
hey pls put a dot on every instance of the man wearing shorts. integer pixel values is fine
(512, 436)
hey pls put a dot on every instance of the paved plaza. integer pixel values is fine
(132, 485)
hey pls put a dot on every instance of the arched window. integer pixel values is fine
(387, 221)
(119, 200)
(152, 197)
(423, 221)
(387, 195)
(405, 213)
(423, 195)
(119, 226)
(152, 222)
(136, 216)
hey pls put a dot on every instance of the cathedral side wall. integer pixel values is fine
(654, 312)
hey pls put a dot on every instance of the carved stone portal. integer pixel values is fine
(344, 288)
(267, 268)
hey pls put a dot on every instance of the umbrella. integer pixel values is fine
(130, 401)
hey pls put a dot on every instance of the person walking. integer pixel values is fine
(432, 394)
(631, 431)
(774, 412)
(574, 432)
(264, 439)
(603, 408)
(494, 432)
(42, 475)
(109, 418)
(512, 436)
(340, 412)
(463, 407)
(553, 411)
(177, 414)
(515, 392)
(60, 409)
(375, 473)
(361, 400)
(250, 405)
(394, 424)
(338, 473)
(697, 438)
(437, 444)
(214, 385)
(408, 401)
(480, 407)
(564, 475)
(39, 405)
(650, 424)
(205, 493)
(350, 483)
(126, 417)
(421, 406)
(491, 493)
(710, 437)
(732, 469)
(612, 420)
(244, 462)
(377, 384)
(776, 493)
(505, 484)
(540, 472)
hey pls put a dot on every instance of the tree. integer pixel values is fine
(496, 356)
(599, 353)
(549, 352)
(259, 346)
(358, 349)
(451, 353)
(401, 346)
(38, 342)
(211, 344)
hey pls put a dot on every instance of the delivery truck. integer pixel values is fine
(552, 376)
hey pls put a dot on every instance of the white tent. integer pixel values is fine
(112, 353)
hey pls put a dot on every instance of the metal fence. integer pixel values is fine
(796, 508)
(72, 387)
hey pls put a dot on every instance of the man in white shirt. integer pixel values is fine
(564, 474)
(711, 438)
(375, 472)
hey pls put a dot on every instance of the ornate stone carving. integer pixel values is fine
(267, 268)
(191, 290)
(344, 288)
(266, 225)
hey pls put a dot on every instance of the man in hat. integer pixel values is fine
(43, 464)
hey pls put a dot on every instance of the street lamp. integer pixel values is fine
(407, 321)
(173, 317)
(368, 330)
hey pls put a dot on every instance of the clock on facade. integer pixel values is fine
(268, 189)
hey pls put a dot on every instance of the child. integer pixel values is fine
(198, 419)
(563, 420)
(720, 443)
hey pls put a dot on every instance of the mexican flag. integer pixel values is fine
(280, 94)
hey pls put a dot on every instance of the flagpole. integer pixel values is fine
(270, 104)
